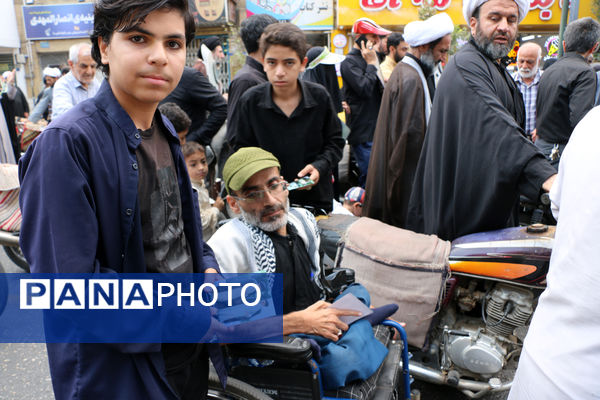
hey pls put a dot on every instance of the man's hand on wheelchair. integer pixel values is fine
(318, 319)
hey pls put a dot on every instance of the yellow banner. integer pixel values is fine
(401, 12)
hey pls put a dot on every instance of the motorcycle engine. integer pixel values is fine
(475, 351)
(478, 348)
(508, 308)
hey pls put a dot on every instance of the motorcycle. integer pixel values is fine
(489, 291)
(476, 338)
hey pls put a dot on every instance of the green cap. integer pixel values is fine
(244, 163)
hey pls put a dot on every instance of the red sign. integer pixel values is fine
(439, 5)
(544, 7)
(378, 5)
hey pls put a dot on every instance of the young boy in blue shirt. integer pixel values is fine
(105, 189)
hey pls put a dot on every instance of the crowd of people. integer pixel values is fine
(443, 146)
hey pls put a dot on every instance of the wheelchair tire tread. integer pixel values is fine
(235, 388)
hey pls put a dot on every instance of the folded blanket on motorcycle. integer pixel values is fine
(398, 266)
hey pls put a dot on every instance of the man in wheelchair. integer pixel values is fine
(272, 237)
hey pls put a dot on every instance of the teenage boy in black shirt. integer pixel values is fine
(293, 119)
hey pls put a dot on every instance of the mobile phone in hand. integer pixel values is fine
(300, 183)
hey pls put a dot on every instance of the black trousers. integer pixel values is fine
(187, 369)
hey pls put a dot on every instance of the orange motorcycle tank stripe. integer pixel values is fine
(493, 269)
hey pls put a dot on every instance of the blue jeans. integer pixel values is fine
(362, 153)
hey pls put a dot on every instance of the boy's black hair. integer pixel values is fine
(251, 29)
(180, 120)
(190, 148)
(284, 34)
(125, 15)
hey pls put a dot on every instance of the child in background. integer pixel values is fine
(195, 160)
(180, 120)
(353, 202)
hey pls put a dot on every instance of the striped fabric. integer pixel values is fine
(529, 93)
(10, 213)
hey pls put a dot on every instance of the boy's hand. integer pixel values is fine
(313, 174)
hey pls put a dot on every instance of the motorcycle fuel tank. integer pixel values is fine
(519, 255)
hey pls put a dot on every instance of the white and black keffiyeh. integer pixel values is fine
(264, 251)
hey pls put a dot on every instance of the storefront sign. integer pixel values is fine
(307, 14)
(551, 46)
(208, 12)
(64, 21)
(401, 12)
(340, 41)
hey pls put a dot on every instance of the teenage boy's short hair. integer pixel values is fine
(190, 148)
(180, 120)
(125, 15)
(284, 34)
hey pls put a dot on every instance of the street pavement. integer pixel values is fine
(24, 373)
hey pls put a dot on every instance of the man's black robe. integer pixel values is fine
(397, 144)
(476, 159)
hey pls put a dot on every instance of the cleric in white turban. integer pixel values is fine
(404, 113)
(469, 7)
(418, 33)
(475, 136)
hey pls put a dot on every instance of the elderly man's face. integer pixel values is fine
(84, 69)
(268, 213)
(528, 61)
(495, 30)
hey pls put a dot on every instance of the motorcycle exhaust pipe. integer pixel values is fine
(472, 389)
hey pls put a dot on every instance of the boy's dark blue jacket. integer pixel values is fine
(79, 183)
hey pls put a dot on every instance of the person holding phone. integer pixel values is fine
(363, 87)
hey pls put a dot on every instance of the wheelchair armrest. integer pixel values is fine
(292, 349)
(338, 280)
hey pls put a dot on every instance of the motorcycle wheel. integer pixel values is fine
(16, 256)
(235, 390)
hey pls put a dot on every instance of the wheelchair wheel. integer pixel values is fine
(235, 390)
(16, 255)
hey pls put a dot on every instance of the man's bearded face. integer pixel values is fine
(400, 51)
(489, 45)
(273, 222)
(528, 72)
(428, 60)
(495, 28)
(528, 60)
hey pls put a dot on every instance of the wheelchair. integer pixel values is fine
(288, 371)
